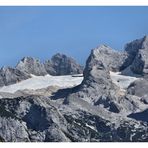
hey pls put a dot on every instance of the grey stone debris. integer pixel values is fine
(60, 64)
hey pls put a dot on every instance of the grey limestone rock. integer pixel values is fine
(137, 53)
(31, 66)
(38, 119)
(33, 118)
(60, 64)
(10, 75)
(111, 59)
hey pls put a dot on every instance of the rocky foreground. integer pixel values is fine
(109, 104)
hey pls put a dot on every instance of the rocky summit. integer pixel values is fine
(60, 64)
(31, 66)
(10, 75)
(54, 102)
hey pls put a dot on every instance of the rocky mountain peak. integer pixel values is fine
(134, 46)
(137, 53)
(29, 59)
(111, 59)
(58, 55)
(5, 68)
(145, 42)
(61, 64)
(31, 66)
(97, 86)
(93, 64)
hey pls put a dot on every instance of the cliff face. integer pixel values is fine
(136, 61)
(10, 75)
(31, 66)
(60, 64)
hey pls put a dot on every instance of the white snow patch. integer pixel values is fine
(121, 80)
(93, 128)
(38, 82)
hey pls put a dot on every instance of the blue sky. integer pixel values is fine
(43, 31)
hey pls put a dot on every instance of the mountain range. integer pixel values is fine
(62, 101)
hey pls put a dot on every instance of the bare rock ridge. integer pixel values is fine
(59, 65)
(31, 66)
(112, 59)
(10, 75)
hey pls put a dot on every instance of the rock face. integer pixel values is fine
(98, 89)
(31, 66)
(111, 59)
(139, 88)
(38, 119)
(96, 76)
(137, 53)
(32, 119)
(10, 75)
(60, 64)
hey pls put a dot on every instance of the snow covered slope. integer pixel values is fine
(121, 80)
(38, 82)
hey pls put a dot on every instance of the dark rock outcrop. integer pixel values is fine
(60, 64)
(140, 116)
(10, 75)
(31, 66)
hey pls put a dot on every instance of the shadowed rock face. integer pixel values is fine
(141, 116)
(60, 64)
(31, 66)
(10, 76)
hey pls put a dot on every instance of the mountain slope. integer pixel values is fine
(107, 104)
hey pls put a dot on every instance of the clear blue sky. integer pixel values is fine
(43, 31)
